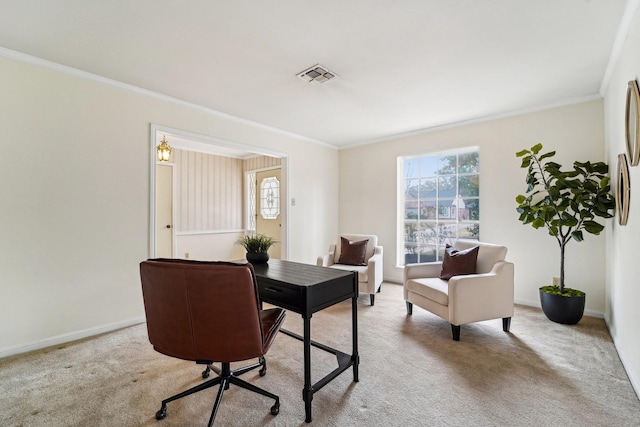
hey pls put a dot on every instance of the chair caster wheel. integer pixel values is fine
(162, 413)
(275, 409)
(205, 373)
(263, 371)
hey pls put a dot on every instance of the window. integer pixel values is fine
(439, 202)
(252, 211)
(270, 198)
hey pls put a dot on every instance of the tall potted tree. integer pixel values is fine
(565, 203)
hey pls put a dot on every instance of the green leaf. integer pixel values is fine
(579, 170)
(523, 217)
(593, 227)
(522, 153)
(536, 148)
(547, 155)
(600, 167)
(520, 198)
(537, 223)
(568, 220)
(577, 236)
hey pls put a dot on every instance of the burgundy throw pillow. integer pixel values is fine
(353, 253)
(458, 263)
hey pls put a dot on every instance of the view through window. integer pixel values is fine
(440, 203)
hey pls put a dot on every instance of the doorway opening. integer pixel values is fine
(209, 196)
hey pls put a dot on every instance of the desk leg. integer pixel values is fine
(354, 330)
(307, 391)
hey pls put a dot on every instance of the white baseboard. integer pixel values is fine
(633, 376)
(64, 338)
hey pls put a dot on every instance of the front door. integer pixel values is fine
(268, 214)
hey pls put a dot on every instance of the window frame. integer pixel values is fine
(437, 225)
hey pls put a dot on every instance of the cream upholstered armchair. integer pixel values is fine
(486, 294)
(351, 253)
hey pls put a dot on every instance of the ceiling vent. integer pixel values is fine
(317, 74)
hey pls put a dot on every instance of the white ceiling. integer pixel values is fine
(403, 65)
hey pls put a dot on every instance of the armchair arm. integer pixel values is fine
(477, 297)
(422, 270)
(327, 259)
(374, 268)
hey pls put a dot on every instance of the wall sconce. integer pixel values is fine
(164, 151)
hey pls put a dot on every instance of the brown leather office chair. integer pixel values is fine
(208, 312)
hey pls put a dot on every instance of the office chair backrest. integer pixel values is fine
(202, 311)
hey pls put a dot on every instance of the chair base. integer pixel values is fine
(211, 367)
(225, 378)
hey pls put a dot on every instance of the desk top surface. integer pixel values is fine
(297, 273)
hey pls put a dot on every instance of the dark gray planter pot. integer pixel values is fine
(257, 257)
(560, 309)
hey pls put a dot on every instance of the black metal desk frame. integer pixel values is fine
(306, 289)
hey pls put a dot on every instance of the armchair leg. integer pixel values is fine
(372, 297)
(455, 330)
(506, 323)
(409, 308)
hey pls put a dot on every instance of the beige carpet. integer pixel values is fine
(411, 374)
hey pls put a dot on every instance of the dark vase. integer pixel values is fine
(257, 257)
(561, 309)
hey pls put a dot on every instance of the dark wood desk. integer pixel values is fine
(307, 289)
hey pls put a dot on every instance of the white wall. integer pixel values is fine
(622, 252)
(210, 246)
(74, 203)
(368, 196)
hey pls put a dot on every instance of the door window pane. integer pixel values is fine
(270, 198)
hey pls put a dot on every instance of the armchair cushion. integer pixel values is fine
(353, 253)
(432, 288)
(458, 262)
